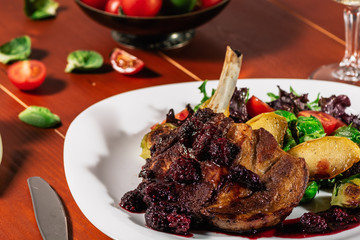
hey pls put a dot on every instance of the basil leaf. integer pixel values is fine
(39, 117)
(83, 60)
(40, 9)
(17, 49)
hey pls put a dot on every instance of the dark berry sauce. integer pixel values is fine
(332, 221)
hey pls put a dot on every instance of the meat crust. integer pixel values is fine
(222, 173)
(284, 176)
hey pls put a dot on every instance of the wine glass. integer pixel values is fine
(349, 67)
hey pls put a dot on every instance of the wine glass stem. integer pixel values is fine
(351, 19)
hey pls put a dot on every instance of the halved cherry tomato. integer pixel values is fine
(99, 4)
(27, 74)
(141, 8)
(255, 107)
(209, 3)
(125, 63)
(112, 6)
(328, 122)
(180, 115)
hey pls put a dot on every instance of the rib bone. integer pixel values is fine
(227, 82)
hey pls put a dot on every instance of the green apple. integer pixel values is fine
(172, 7)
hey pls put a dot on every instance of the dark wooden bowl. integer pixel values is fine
(149, 30)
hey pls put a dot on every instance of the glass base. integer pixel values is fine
(154, 42)
(334, 72)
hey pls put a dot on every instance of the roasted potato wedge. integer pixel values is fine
(272, 122)
(328, 156)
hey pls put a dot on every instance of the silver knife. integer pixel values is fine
(49, 211)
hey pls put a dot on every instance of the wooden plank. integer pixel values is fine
(275, 43)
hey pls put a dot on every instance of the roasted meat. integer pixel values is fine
(212, 171)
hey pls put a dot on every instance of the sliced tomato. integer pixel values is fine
(255, 107)
(27, 75)
(328, 122)
(125, 63)
(112, 6)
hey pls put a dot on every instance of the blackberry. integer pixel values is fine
(313, 223)
(338, 217)
(187, 131)
(203, 140)
(156, 218)
(245, 177)
(156, 192)
(222, 151)
(179, 223)
(133, 201)
(184, 171)
(167, 219)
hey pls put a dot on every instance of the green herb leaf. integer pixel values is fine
(17, 49)
(314, 105)
(83, 60)
(273, 96)
(39, 117)
(202, 89)
(40, 9)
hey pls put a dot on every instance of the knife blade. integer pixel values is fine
(49, 211)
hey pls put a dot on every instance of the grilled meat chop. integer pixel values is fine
(210, 170)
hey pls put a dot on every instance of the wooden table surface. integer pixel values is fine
(279, 39)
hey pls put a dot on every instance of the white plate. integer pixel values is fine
(102, 147)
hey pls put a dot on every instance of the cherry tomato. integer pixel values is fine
(141, 8)
(180, 116)
(125, 63)
(99, 4)
(328, 122)
(209, 3)
(27, 74)
(255, 107)
(112, 6)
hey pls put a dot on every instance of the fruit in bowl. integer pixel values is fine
(152, 24)
(150, 8)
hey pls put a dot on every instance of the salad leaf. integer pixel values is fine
(309, 128)
(40, 9)
(349, 132)
(83, 60)
(39, 117)
(206, 97)
(291, 131)
(289, 101)
(288, 115)
(336, 107)
(17, 49)
(314, 105)
(237, 108)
